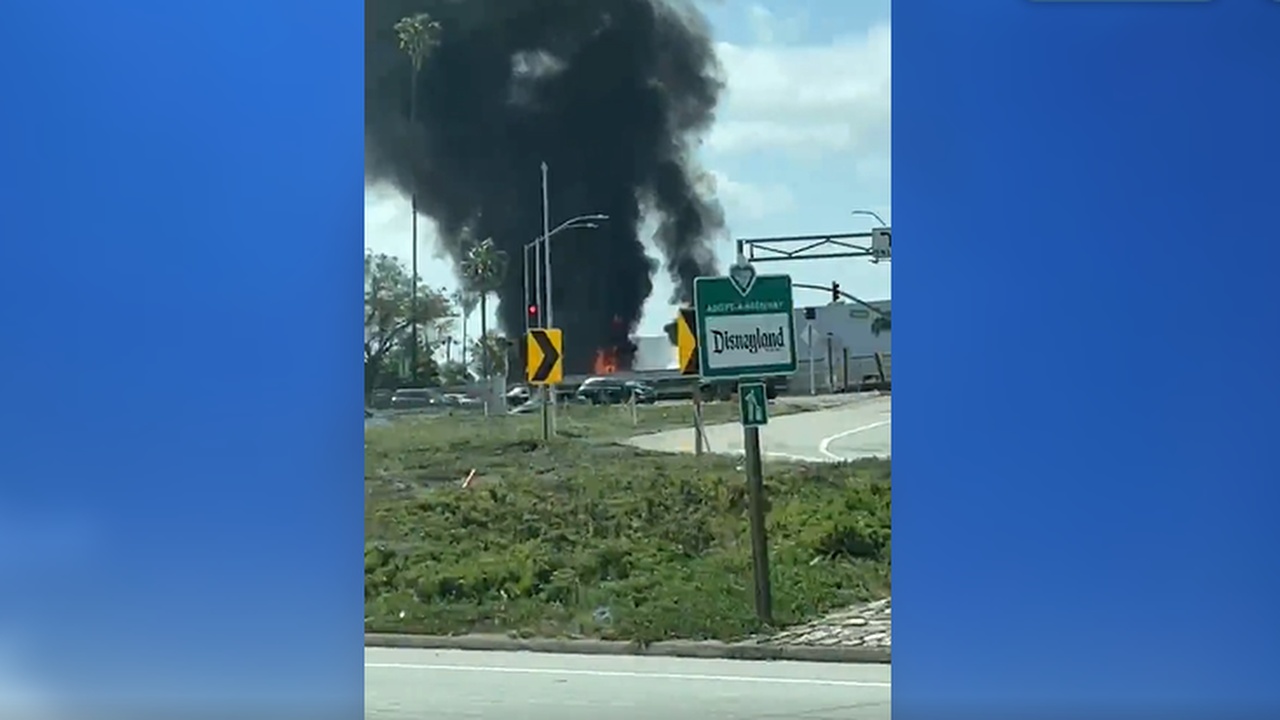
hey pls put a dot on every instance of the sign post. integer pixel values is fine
(753, 403)
(746, 332)
(687, 359)
(544, 351)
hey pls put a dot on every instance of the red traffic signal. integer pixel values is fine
(533, 309)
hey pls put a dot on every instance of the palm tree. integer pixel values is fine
(483, 268)
(418, 35)
(466, 302)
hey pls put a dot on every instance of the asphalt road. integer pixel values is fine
(861, 428)
(402, 684)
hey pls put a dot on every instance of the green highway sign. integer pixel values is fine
(746, 324)
(753, 404)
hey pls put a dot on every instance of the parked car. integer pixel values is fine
(528, 406)
(608, 391)
(416, 399)
(518, 395)
(462, 400)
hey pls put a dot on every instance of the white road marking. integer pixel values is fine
(797, 458)
(823, 447)
(629, 674)
(739, 452)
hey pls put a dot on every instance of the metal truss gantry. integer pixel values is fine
(808, 247)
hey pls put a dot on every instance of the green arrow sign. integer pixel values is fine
(753, 404)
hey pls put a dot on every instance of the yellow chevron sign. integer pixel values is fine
(687, 341)
(545, 364)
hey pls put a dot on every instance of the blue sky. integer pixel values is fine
(801, 139)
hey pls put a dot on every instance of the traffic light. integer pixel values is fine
(835, 292)
(533, 311)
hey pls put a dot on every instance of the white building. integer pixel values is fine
(836, 347)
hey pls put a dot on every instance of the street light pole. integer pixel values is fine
(528, 301)
(546, 241)
(546, 256)
(542, 244)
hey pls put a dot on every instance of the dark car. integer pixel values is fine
(417, 399)
(610, 391)
(644, 393)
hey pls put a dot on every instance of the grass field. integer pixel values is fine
(585, 537)
(616, 422)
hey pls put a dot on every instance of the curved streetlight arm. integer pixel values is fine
(577, 222)
(573, 226)
(580, 222)
(870, 213)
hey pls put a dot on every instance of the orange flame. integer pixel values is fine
(606, 361)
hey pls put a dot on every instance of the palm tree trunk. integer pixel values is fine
(484, 337)
(413, 213)
(467, 371)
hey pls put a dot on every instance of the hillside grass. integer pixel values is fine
(585, 537)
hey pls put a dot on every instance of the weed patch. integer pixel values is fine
(584, 537)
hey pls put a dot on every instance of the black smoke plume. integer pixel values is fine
(612, 94)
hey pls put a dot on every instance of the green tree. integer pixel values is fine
(453, 374)
(389, 309)
(483, 268)
(418, 35)
(466, 302)
(420, 368)
(490, 354)
(882, 324)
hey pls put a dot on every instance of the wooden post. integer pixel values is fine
(755, 509)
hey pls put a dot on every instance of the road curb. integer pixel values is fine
(669, 648)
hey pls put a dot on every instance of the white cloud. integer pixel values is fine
(388, 225)
(769, 28)
(752, 201)
(806, 98)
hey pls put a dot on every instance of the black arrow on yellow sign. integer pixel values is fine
(545, 364)
(687, 341)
